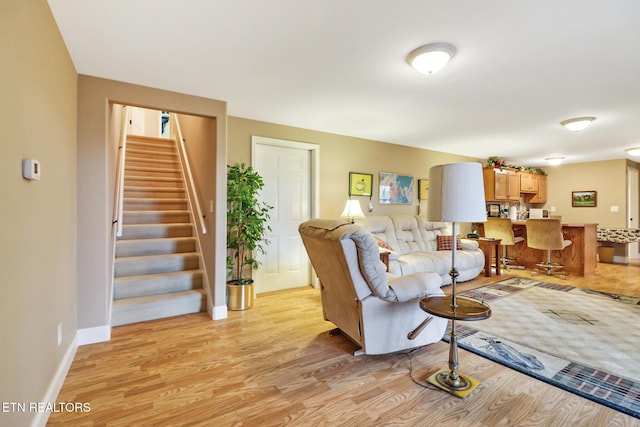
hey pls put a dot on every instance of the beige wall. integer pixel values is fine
(96, 175)
(340, 155)
(608, 178)
(199, 134)
(38, 218)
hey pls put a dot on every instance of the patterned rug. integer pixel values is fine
(583, 341)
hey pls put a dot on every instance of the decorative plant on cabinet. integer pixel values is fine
(247, 226)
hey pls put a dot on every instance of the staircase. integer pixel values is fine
(157, 265)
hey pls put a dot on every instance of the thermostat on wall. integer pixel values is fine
(31, 169)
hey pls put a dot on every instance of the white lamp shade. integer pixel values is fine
(352, 210)
(456, 193)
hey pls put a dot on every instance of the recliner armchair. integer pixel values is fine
(377, 311)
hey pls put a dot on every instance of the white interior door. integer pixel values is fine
(136, 121)
(286, 172)
(633, 201)
(145, 122)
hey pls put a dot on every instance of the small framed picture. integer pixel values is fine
(423, 189)
(360, 184)
(584, 199)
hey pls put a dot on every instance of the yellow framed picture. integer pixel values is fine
(360, 184)
(423, 189)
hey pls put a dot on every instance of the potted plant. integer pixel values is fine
(247, 226)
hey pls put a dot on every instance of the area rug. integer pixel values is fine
(583, 341)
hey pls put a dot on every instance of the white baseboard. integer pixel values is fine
(219, 312)
(620, 259)
(51, 395)
(94, 335)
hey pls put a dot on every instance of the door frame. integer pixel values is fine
(314, 178)
(632, 208)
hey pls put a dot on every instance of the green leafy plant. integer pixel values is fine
(498, 163)
(247, 226)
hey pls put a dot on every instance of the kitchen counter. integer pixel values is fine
(579, 258)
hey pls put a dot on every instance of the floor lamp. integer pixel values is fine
(456, 194)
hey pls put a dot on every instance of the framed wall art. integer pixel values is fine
(360, 184)
(396, 189)
(423, 189)
(584, 199)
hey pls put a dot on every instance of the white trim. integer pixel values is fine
(620, 259)
(632, 210)
(218, 312)
(93, 335)
(40, 419)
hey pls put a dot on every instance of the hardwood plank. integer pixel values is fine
(277, 364)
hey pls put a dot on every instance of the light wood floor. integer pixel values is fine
(276, 364)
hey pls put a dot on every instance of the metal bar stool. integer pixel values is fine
(502, 228)
(546, 234)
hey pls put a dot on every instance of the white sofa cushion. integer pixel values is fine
(408, 234)
(382, 228)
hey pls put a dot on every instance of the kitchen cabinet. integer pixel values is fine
(528, 182)
(541, 195)
(501, 185)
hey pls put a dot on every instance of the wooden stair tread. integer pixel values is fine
(155, 199)
(138, 258)
(152, 178)
(137, 277)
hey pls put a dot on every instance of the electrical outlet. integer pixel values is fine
(614, 208)
(59, 334)
(553, 208)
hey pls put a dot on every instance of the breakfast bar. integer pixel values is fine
(579, 258)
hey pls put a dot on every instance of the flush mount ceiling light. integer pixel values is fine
(577, 124)
(431, 58)
(635, 151)
(554, 160)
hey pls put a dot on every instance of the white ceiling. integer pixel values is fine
(339, 66)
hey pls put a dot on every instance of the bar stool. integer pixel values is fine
(502, 228)
(546, 234)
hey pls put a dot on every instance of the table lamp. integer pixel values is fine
(456, 194)
(352, 210)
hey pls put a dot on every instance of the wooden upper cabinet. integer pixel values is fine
(501, 185)
(541, 195)
(528, 182)
(514, 186)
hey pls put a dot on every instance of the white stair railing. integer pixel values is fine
(187, 171)
(122, 150)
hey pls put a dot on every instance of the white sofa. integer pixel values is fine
(379, 312)
(414, 247)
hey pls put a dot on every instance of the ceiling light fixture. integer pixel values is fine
(635, 151)
(577, 124)
(431, 58)
(554, 160)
